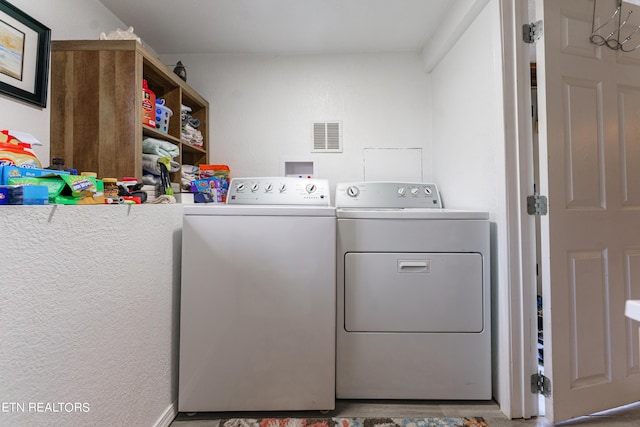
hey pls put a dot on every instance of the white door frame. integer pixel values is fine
(521, 330)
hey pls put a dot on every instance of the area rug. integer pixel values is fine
(355, 422)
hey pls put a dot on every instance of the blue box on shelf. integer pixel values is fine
(4, 195)
(7, 172)
(28, 194)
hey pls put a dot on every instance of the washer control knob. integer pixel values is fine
(427, 191)
(282, 188)
(268, 187)
(352, 191)
(402, 191)
(415, 191)
(255, 186)
(240, 188)
(311, 188)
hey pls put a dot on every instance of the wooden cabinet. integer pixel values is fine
(96, 107)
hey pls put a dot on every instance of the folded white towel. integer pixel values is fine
(191, 135)
(160, 147)
(163, 199)
(189, 169)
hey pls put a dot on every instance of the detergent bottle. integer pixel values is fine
(14, 152)
(148, 105)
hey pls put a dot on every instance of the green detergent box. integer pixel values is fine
(65, 189)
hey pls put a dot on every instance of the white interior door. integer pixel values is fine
(589, 106)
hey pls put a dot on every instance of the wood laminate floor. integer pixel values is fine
(628, 416)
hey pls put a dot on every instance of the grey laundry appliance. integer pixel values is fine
(413, 295)
(257, 309)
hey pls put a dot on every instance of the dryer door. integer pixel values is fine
(413, 292)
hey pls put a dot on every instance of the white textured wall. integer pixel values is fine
(74, 326)
(89, 313)
(67, 19)
(468, 134)
(262, 107)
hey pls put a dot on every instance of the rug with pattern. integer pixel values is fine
(355, 422)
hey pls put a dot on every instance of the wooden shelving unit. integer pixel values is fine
(96, 107)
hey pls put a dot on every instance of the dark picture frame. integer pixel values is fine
(25, 46)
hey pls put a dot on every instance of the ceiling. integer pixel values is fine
(281, 26)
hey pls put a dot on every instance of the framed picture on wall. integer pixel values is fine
(24, 56)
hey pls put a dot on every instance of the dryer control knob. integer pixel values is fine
(352, 191)
(402, 191)
(282, 188)
(268, 187)
(255, 186)
(311, 188)
(415, 191)
(427, 191)
(240, 188)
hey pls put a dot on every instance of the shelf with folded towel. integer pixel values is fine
(96, 107)
(154, 133)
(194, 148)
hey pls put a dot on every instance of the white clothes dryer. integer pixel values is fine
(257, 309)
(413, 297)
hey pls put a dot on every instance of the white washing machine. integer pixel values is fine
(413, 297)
(257, 310)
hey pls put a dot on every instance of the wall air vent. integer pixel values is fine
(327, 137)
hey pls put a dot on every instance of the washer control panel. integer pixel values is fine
(278, 191)
(387, 195)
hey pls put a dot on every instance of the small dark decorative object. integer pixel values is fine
(181, 71)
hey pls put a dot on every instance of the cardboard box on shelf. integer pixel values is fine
(24, 195)
(7, 172)
(210, 186)
(221, 172)
(66, 189)
(4, 195)
(29, 195)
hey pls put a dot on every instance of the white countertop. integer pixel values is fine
(632, 309)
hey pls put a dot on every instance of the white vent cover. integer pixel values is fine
(327, 137)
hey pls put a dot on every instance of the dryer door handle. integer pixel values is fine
(414, 266)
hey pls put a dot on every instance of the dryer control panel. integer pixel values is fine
(278, 191)
(387, 195)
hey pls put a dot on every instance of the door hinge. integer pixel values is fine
(532, 32)
(540, 384)
(537, 205)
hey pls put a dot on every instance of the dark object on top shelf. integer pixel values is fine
(181, 71)
(57, 163)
